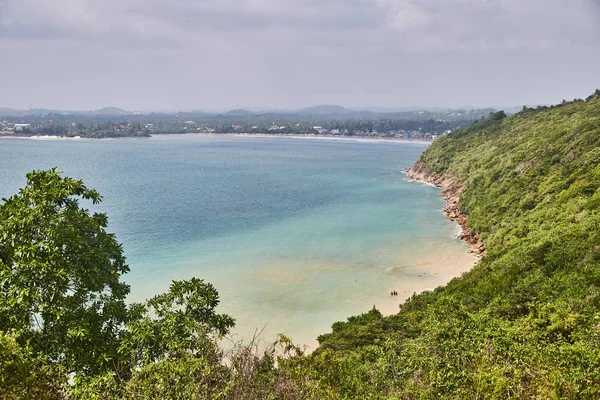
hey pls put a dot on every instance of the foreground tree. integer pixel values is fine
(62, 301)
(60, 273)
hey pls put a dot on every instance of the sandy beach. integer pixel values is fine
(432, 272)
(438, 269)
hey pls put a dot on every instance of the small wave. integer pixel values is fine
(48, 137)
(425, 290)
(460, 231)
(408, 179)
(422, 182)
(394, 268)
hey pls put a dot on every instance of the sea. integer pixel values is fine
(295, 233)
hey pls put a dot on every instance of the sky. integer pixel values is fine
(166, 55)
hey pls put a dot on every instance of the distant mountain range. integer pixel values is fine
(106, 111)
(314, 111)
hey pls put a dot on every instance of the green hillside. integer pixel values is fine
(525, 322)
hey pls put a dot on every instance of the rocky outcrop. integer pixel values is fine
(451, 190)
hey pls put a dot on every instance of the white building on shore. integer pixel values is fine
(20, 127)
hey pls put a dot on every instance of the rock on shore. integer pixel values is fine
(451, 190)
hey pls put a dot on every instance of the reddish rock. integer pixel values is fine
(451, 190)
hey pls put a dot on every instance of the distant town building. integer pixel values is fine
(20, 127)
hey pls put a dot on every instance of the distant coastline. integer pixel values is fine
(12, 135)
(299, 136)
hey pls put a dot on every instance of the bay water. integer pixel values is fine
(295, 233)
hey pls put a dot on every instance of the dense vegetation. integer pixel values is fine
(524, 323)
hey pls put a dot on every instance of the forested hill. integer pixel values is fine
(525, 322)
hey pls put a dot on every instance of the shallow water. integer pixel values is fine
(294, 233)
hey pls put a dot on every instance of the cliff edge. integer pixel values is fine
(451, 191)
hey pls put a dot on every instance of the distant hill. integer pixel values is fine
(106, 111)
(111, 111)
(10, 112)
(238, 113)
(325, 110)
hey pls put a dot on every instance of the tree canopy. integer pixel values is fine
(60, 273)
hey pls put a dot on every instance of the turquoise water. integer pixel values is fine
(294, 233)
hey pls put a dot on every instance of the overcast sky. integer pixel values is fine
(222, 54)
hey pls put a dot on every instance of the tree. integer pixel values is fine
(23, 375)
(179, 323)
(60, 273)
(62, 297)
(168, 349)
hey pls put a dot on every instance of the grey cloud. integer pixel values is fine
(214, 53)
(418, 25)
(308, 14)
(468, 24)
(35, 19)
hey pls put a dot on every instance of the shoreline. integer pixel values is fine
(451, 190)
(431, 273)
(298, 136)
(451, 268)
(10, 135)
